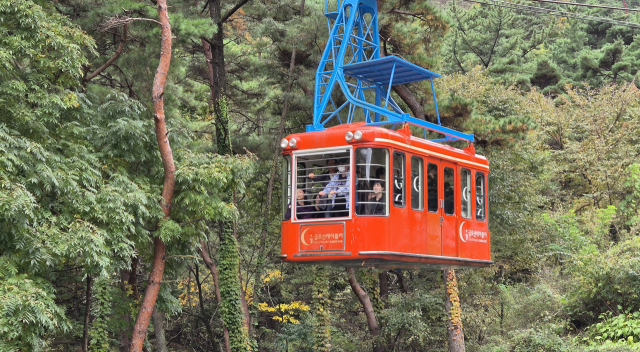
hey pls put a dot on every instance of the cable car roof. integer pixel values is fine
(388, 70)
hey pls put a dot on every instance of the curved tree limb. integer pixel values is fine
(157, 96)
(366, 302)
(112, 59)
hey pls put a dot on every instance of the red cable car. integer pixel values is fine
(357, 194)
(389, 200)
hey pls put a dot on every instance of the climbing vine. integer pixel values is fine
(230, 308)
(322, 330)
(455, 312)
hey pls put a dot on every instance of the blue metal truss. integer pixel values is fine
(354, 82)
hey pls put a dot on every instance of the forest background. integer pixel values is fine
(552, 100)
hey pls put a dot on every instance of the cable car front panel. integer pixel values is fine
(386, 199)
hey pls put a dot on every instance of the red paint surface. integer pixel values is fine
(322, 237)
(405, 230)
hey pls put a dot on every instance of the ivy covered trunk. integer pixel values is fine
(322, 329)
(454, 312)
(228, 255)
(230, 307)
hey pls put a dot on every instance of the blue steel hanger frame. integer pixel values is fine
(353, 75)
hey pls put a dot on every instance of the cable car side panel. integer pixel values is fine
(405, 237)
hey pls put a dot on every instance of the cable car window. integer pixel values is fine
(480, 197)
(465, 193)
(449, 196)
(398, 179)
(416, 184)
(371, 181)
(432, 187)
(323, 184)
(286, 185)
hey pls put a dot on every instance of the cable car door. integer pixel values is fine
(434, 213)
(448, 209)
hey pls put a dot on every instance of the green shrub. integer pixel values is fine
(623, 328)
(539, 340)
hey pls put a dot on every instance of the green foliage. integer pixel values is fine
(321, 301)
(535, 340)
(28, 311)
(230, 308)
(414, 320)
(623, 328)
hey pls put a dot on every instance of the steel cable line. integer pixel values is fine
(557, 13)
(586, 5)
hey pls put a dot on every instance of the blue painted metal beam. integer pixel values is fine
(353, 52)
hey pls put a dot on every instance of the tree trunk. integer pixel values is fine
(203, 314)
(410, 99)
(157, 96)
(454, 312)
(403, 284)
(383, 278)
(230, 289)
(87, 315)
(158, 327)
(230, 307)
(216, 282)
(364, 300)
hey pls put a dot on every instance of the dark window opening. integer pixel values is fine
(480, 197)
(449, 193)
(371, 181)
(432, 187)
(398, 179)
(417, 199)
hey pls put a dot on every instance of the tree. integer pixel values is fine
(160, 248)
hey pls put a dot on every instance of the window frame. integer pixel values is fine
(387, 193)
(294, 186)
(469, 202)
(404, 179)
(420, 195)
(444, 195)
(437, 209)
(484, 195)
(286, 185)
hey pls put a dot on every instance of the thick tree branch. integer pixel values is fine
(112, 59)
(230, 13)
(216, 285)
(364, 299)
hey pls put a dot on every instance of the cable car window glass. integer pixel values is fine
(432, 187)
(323, 183)
(480, 197)
(286, 185)
(449, 196)
(416, 184)
(398, 179)
(465, 193)
(371, 181)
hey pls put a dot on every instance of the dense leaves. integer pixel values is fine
(553, 103)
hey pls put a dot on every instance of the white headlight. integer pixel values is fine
(348, 136)
(357, 135)
(292, 142)
(284, 143)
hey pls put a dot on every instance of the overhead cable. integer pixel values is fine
(557, 13)
(586, 5)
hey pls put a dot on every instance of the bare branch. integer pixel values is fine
(113, 58)
(232, 11)
(119, 20)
